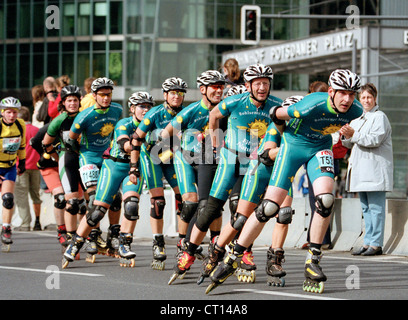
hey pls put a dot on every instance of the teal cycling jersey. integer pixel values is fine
(127, 127)
(272, 134)
(313, 118)
(192, 121)
(96, 126)
(155, 120)
(247, 124)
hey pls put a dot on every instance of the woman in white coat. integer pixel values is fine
(370, 167)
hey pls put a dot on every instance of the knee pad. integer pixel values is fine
(179, 203)
(8, 200)
(233, 203)
(91, 195)
(93, 217)
(157, 207)
(59, 201)
(117, 202)
(266, 210)
(201, 207)
(131, 208)
(285, 215)
(324, 204)
(82, 206)
(73, 206)
(237, 221)
(213, 210)
(188, 210)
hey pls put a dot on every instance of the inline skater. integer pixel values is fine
(248, 120)
(12, 145)
(156, 162)
(68, 161)
(95, 126)
(306, 139)
(195, 162)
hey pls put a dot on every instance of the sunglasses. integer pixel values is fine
(103, 95)
(217, 86)
(180, 93)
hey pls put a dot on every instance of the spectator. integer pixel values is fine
(29, 182)
(232, 74)
(370, 167)
(50, 93)
(88, 100)
(60, 82)
(37, 92)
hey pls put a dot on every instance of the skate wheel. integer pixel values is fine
(200, 280)
(173, 278)
(64, 263)
(91, 258)
(211, 287)
(158, 265)
(77, 257)
(5, 248)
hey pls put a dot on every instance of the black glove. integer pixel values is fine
(272, 114)
(265, 159)
(21, 166)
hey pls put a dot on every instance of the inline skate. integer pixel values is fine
(274, 270)
(314, 275)
(72, 250)
(159, 253)
(6, 239)
(112, 241)
(184, 262)
(215, 255)
(95, 244)
(246, 269)
(127, 257)
(224, 269)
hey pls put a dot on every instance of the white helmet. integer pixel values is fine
(100, 83)
(291, 100)
(174, 83)
(343, 79)
(258, 71)
(210, 77)
(236, 90)
(10, 102)
(140, 97)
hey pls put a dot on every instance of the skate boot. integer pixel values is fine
(246, 269)
(95, 244)
(182, 246)
(62, 237)
(72, 250)
(315, 277)
(224, 269)
(215, 255)
(127, 257)
(274, 270)
(6, 239)
(184, 262)
(70, 235)
(159, 253)
(112, 241)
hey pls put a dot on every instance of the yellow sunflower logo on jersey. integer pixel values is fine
(332, 128)
(106, 130)
(256, 128)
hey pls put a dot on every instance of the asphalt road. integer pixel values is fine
(32, 270)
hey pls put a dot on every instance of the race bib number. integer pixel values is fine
(11, 145)
(326, 161)
(89, 175)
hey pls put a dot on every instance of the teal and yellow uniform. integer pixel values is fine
(12, 145)
(193, 123)
(247, 124)
(153, 170)
(307, 139)
(115, 170)
(96, 127)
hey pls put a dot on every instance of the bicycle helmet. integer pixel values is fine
(70, 90)
(10, 102)
(236, 90)
(100, 83)
(210, 77)
(343, 79)
(291, 100)
(140, 97)
(174, 83)
(258, 71)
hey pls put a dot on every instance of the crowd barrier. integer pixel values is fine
(347, 224)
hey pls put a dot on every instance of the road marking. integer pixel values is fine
(292, 295)
(53, 271)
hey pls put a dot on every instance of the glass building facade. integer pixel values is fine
(139, 43)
